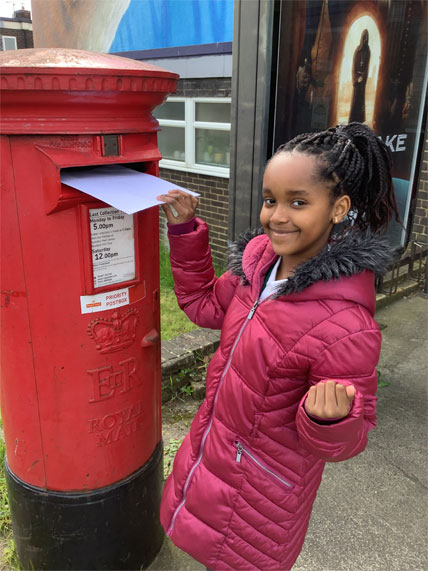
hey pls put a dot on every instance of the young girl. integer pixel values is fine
(293, 383)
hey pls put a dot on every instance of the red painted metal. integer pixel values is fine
(72, 91)
(80, 393)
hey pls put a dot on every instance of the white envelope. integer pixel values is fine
(121, 187)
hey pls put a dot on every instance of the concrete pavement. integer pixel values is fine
(371, 511)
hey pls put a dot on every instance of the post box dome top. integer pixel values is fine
(69, 58)
(59, 90)
(62, 61)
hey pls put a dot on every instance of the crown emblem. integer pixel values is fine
(115, 333)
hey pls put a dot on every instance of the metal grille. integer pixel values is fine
(413, 266)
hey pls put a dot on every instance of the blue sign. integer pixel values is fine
(152, 24)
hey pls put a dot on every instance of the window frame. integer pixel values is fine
(190, 125)
(3, 38)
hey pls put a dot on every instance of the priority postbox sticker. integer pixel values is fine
(112, 242)
(104, 301)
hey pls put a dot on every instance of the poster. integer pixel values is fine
(350, 60)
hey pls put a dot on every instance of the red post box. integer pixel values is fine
(80, 389)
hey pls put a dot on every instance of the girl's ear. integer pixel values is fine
(340, 208)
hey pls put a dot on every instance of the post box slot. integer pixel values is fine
(139, 167)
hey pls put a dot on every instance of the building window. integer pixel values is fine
(195, 135)
(9, 43)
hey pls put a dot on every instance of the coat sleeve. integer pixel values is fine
(200, 294)
(351, 361)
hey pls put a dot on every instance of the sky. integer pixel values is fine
(7, 7)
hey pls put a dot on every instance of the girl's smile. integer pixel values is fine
(298, 210)
(279, 232)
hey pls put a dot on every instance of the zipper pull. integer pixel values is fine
(239, 451)
(253, 310)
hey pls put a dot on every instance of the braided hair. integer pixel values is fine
(354, 162)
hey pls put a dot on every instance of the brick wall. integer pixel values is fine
(420, 220)
(24, 38)
(213, 206)
(21, 29)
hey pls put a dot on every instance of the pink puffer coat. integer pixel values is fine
(245, 478)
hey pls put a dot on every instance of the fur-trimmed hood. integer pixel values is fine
(351, 254)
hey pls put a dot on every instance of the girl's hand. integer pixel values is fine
(182, 202)
(329, 400)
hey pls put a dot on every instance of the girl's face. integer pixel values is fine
(298, 212)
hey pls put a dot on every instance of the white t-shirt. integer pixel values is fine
(272, 284)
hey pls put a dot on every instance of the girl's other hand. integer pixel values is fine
(330, 400)
(182, 202)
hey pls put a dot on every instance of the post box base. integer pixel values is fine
(116, 527)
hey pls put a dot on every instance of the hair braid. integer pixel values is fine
(355, 162)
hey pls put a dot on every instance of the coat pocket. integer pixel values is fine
(242, 450)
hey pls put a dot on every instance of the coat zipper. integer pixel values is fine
(242, 450)
(208, 428)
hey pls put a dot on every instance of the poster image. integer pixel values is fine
(351, 60)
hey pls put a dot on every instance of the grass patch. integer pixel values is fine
(5, 521)
(173, 320)
(170, 450)
(8, 556)
(166, 279)
(381, 382)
